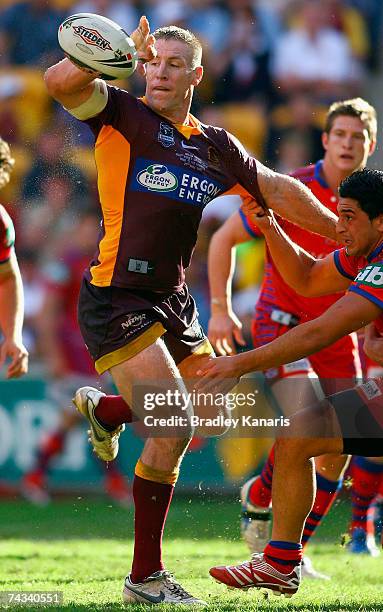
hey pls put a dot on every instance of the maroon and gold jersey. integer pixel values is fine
(7, 235)
(367, 276)
(154, 180)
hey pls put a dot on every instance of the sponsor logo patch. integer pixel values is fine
(188, 186)
(371, 275)
(301, 365)
(134, 320)
(140, 266)
(157, 177)
(370, 390)
(92, 37)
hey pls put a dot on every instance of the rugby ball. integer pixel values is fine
(95, 42)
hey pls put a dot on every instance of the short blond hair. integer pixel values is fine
(6, 163)
(355, 107)
(172, 32)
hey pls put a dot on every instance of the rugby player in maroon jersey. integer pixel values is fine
(11, 286)
(349, 422)
(158, 167)
(349, 138)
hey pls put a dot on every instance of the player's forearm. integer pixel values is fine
(12, 307)
(292, 262)
(294, 201)
(221, 265)
(65, 79)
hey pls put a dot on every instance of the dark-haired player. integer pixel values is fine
(11, 286)
(350, 422)
(158, 167)
(349, 138)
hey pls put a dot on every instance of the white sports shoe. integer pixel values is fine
(105, 443)
(158, 588)
(308, 571)
(255, 521)
(371, 546)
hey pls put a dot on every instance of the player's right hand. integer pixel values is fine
(223, 329)
(17, 354)
(144, 41)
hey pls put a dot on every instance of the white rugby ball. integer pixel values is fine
(98, 43)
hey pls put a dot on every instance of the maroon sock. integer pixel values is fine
(112, 411)
(151, 502)
(50, 447)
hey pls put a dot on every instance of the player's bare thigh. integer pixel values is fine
(296, 393)
(204, 407)
(153, 364)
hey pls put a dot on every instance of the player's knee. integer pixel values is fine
(292, 448)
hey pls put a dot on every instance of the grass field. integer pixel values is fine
(83, 547)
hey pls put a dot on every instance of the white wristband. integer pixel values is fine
(94, 104)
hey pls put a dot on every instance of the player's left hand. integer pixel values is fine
(218, 375)
(261, 217)
(18, 355)
(144, 42)
(373, 344)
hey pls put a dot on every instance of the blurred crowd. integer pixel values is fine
(271, 69)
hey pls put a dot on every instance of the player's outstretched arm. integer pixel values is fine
(72, 86)
(224, 326)
(294, 201)
(11, 319)
(308, 276)
(348, 314)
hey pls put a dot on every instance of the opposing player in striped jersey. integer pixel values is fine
(348, 139)
(349, 422)
(11, 287)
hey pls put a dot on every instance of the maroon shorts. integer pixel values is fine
(117, 323)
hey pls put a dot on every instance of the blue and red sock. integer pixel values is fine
(284, 556)
(366, 479)
(327, 491)
(260, 491)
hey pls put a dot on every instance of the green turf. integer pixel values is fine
(83, 547)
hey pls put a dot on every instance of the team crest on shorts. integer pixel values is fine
(166, 135)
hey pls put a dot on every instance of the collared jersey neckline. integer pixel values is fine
(191, 128)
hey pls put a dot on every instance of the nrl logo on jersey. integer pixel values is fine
(92, 37)
(157, 177)
(371, 275)
(166, 135)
